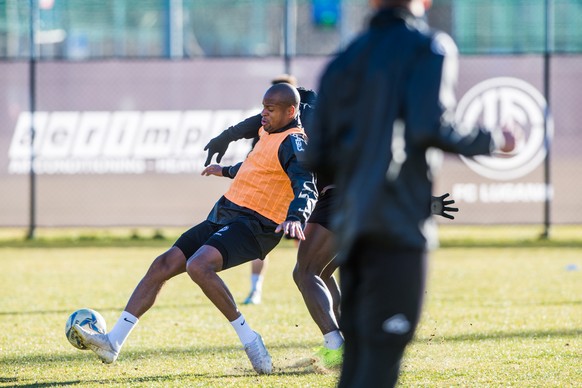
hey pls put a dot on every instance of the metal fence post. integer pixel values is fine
(290, 32)
(32, 101)
(549, 39)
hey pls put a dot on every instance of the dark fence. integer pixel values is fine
(121, 143)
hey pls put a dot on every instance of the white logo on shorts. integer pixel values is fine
(398, 324)
(221, 230)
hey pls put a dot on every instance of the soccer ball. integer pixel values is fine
(87, 319)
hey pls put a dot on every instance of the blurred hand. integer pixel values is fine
(440, 207)
(291, 228)
(512, 134)
(213, 169)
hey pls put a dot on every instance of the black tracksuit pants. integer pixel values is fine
(382, 290)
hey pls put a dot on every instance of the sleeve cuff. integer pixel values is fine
(226, 172)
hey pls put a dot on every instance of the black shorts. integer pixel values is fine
(242, 240)
(323, 209)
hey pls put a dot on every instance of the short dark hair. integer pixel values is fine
(284, 78)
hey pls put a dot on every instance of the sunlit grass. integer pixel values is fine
(495, 315)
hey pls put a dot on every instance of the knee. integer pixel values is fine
(166, 266)
(161, 268)
(297, 276)
(204, 264)
(194, 270)
(304, 276)
(197, 270)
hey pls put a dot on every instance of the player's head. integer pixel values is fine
(280, 106)
(417, 7)
(284, 78)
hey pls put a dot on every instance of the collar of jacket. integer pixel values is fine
(388, 16)
(293, 124)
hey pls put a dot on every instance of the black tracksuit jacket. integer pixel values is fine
(382, 103)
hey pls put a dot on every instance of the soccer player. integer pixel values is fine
(315, 267)
(248, 129)
(382, 103)
(272, 194)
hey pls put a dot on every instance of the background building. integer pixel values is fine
(126, 93)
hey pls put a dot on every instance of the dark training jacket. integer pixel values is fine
(290, 155)
(381, 104)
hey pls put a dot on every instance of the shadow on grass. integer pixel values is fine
(162, 379)
(203, 303)
(510, 244)
(45, 360)
(127, 381)
(531, 334)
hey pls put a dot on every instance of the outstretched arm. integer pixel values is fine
(440, 207)
(226, 171)
(246, 129)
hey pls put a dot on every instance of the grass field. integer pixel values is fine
(502, 309)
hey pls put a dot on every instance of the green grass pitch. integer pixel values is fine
(502, 308)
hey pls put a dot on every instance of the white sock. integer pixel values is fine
(256, 282)
(333, 340)
(244, 331)
(121, 330)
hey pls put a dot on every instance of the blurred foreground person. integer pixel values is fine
(382, 103)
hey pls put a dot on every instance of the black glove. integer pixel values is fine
(439, 206)
(307, 96)
(218, 145)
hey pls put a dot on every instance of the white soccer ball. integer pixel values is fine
(87, 319)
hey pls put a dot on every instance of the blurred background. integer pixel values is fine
(125, 94)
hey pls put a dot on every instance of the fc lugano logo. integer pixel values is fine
(507, 101)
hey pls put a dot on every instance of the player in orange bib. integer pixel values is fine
(272, 194)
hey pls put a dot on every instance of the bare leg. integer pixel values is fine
(332, 286)
(315, 253)
(164, 267)
(203, 267)
(258, 268)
